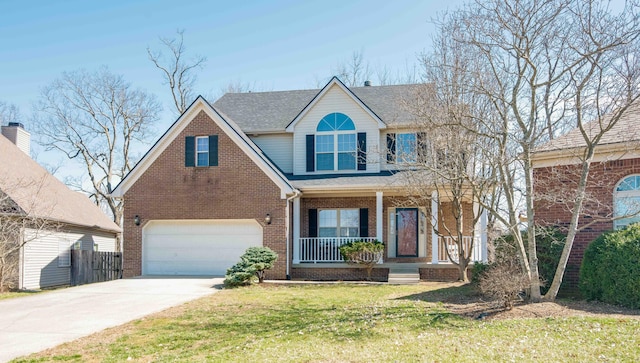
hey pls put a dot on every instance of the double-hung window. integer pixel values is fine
(405, 147)
(202, 151)
(336, 143)
(339, 223)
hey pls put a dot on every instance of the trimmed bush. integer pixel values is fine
(253, 263)
(610, 270)
(365, 253)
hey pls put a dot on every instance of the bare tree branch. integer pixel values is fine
(178, 72)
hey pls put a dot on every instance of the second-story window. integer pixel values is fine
(336, 143)
(202, 151)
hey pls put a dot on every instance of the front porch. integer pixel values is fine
(407, 230)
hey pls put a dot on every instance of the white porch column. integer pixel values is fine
(483, 239)
(434, 223)
(379, 217)
(480, 230)
(296, 230)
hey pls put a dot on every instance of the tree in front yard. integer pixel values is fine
(544, 67)
(364, 253)
(253, 264)
(96, 119)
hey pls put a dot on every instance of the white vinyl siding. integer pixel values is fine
(336, 100)
(278, 147)
(40, 264)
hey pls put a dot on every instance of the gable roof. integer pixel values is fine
(231, 130)
(36, 192)
(334, 82)
(260, 112)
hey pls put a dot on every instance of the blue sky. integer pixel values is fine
(272, 45)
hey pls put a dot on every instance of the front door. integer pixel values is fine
(407, 232)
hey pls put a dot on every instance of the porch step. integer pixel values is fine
(404, 276)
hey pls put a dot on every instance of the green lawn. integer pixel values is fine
(353, 323)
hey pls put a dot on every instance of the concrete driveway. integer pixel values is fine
(33, 323)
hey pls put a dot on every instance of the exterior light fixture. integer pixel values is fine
(267, 219)
(136, 220)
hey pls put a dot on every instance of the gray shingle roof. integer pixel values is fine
(625, 130)
(273, 111)
(40, 194)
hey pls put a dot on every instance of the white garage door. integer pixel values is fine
(196, 247)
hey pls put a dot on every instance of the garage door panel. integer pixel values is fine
(197, 247)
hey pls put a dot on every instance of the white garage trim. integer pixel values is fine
(196, 247)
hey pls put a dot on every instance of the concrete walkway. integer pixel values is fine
(33, 323)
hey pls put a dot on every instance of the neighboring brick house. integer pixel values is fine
(61, 219)
(301, 172)
(613, 186)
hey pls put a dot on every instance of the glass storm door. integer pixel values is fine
(407, 232)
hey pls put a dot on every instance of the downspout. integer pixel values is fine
(296, 194)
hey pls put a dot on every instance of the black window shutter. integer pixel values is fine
(391, 147)
(421, 147)
(364, 222)
(190, 151)
(313, 223)
(311, 150)
(213, 150)
(362, 151)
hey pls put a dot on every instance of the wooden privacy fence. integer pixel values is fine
(91, 266)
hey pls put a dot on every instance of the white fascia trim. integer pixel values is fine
(334, 82)
(348, 188)
(571, 156)
(227, 126)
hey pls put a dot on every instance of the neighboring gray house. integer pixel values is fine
(44, 261)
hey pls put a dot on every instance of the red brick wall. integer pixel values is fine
(555, 189)
(339, 274)
(449, 273)
(235, 189)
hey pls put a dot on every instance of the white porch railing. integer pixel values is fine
(450, 243)
(325, 249)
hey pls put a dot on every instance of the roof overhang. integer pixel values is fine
(574, 155)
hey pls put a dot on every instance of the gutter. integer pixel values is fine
(296, 194)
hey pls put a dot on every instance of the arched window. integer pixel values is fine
(626, 201)
(336, 144)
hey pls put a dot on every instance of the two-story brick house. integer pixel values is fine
(301, 172)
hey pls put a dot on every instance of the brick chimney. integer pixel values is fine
(16, 133)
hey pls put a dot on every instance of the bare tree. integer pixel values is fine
(451, 157)
(355, 71)
(178, 72)
(534, 56)
(95, 119)
(8, 113)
